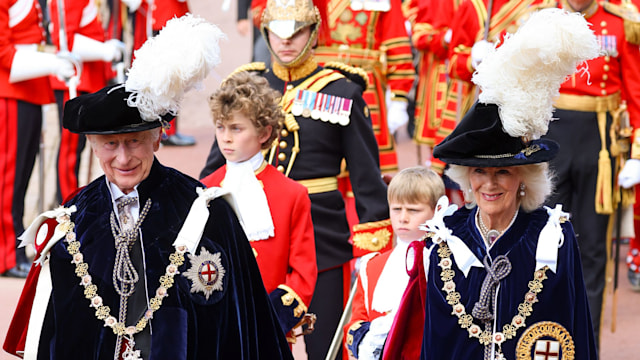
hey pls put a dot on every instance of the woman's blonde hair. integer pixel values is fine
(251, 95)
(537, 180)
(416, 185)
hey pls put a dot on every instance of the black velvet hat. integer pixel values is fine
(479, 140)
(156, 83)
(106, 112)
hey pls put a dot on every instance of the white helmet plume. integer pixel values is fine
(178, 59)
(523, 76)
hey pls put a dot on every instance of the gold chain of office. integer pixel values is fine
(103, 312)
(465, 320)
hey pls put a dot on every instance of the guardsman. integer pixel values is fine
(24, 88)
(84, 37)
(431, 35)
(326, 121)
(589, 108)
(371, 35)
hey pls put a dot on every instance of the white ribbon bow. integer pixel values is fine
(461, 253)
(32, 235)
(551, 239)
(193, 227)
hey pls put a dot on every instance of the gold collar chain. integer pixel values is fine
(465, 320)
(103, 312)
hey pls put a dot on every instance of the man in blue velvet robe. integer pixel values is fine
(161, 293)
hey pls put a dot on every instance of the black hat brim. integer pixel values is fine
(105, 112)
(479, 140)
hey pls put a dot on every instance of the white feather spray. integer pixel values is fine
(523, 76)
(176, 60)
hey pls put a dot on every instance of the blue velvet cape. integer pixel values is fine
(235, 323)
(562, 299)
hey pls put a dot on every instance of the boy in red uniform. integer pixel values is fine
(275, 211)
(412, 195)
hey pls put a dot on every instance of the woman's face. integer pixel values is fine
(495, 190)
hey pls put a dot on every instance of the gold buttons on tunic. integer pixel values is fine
(280, 168)
(283, 144)
(282, 156)
(604, 32)
(284, 132)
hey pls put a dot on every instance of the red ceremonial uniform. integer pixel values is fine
(433, 20)
(377, 42)
(375, 298)
(468, 27)
(81, 17)
(21, 119)
(288, 259)
(586, 166)
(165, 10)
(361, 310)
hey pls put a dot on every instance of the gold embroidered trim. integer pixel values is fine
(254, 66)
(287, 300)
(294, 73)
(466, 320)
(371, 225)
(320, 185)
(372, 241)
(526, 152)
(348, 69)
(545, 328)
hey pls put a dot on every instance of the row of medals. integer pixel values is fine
(320, 106)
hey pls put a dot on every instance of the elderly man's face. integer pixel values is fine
(126, 159)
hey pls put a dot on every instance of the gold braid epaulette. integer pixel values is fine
(257, 66)
(354, 74)
(629, 13)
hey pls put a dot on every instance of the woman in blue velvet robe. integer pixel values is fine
(504, 278)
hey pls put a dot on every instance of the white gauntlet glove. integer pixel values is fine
(88, 49)
(371, 345)
(397, 114)
(479, 51)
(630, 174)
(30, 64)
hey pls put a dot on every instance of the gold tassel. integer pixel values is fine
(604, 200)
(604, 196)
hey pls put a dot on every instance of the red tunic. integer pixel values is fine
(24, 26)
(165, 10)
(433, 20)
(81, 17)
(289, 257)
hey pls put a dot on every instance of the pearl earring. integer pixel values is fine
(522, 187)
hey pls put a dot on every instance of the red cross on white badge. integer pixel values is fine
(208, 272)
(547, 350)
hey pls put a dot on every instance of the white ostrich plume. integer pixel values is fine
(176, 60)
(523, 76)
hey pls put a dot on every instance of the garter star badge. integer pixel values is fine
(206, 272)
(546, 340)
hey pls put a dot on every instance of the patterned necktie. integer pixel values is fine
(124, 212)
